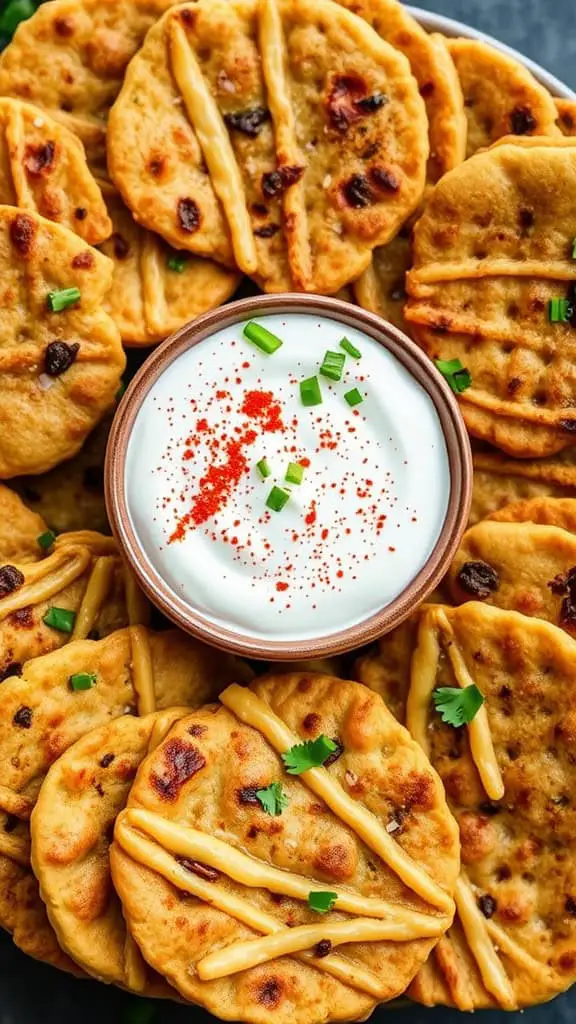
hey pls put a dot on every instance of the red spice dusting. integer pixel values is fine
(281, 586)
(202, 426)
(262, 406)
(305, 463)
(310, 517)
(339, 574)
(324, 534)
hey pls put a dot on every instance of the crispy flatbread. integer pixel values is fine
(156, 290)
(43, 169)
(566, 116)
(71, 496)
(71, 827)
(499, 480)
(226, 759)
(515, 942)
(298, 192)
(70, 57)
(492, 249)
(501, 97)
(21, 528)
(60, 369)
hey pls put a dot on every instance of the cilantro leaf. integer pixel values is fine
(457, 706)
(322, 902)
(272, 799)
(457, 376)
(310, 754)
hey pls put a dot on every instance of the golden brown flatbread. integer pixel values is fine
(499, 480)
(21, 528)
(566, 116)
(61, 353)
(501, 97)
(70, 57)
(224, 755)
(298, 192)
(491, 251)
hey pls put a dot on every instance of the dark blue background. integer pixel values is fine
(31, 993)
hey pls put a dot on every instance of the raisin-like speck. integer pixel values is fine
(487, 905)
(59, 356)
(23, 717)
(39, 159)
(197, 868)
(106, 761)
(188, 215)
(323, 948)
(10, 579)
(478, 579)
(249, 122)
(274, 183)
(357, 191)
(522, 121)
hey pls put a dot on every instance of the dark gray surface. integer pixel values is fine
(33, 994)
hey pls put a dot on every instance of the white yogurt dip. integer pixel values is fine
(351, 536)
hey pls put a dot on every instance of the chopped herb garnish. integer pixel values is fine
(322, 902)
(458, 706)
(263, 468)
(350, 348)
(177, 263)
(333, 365)
(273, 799)
(310, 391)
(14, 13)
(574, 249)
(262, 338)
(294, 473)
(354, 397)
(82, 681)
(120, 391)
(61, 619)
(277, 498)
(559, 311)
(59, 301)
(310, 754)
(457, 376)
(46, 540)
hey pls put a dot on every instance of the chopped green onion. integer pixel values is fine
(457, 376)
(59, 301)
(574, 249)
(177, 263)
(277, 498)
(333, 365)
(294, 473)
(322, 902)
(82, 681)
(61, 619)
(263, 468)
(46, 540)
(310, 391)
(14, 13)
(559, 311)
(353, 397)
(262, 338)
(350, 348)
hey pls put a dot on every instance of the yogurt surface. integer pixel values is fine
(351, 536)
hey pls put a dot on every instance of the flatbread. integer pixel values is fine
(149, 300)
(43, 169)
(521, 566)
(182, 671)
(501, 97)
(70, 57)
(71, 828)
(491, 250)
(226, 759)
(382, 287)
(566, 116)
(499, 480)
(21, 528)
(547, 511)
(306, 189)
(386, 667)
(71, 496)
(60, 370)
(518, 870)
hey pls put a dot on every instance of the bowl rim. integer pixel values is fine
(414, 360)
(451, 27)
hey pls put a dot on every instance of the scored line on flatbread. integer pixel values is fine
(215, 143)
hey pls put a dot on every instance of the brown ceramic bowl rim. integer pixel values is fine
(459, 459)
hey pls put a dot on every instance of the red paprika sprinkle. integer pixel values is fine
(262, 406)
(281, 586)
